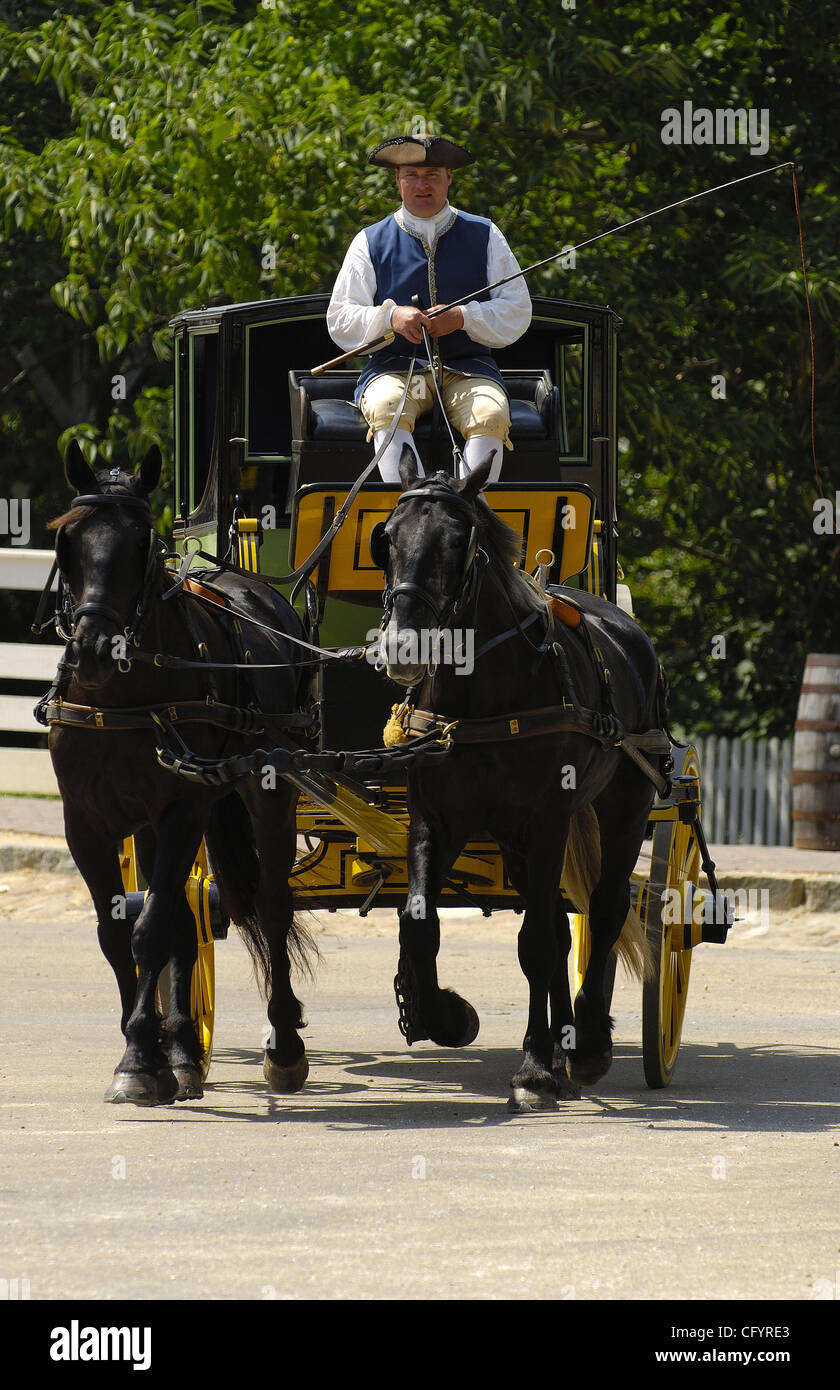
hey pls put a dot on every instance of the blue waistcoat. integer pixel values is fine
(456, 267)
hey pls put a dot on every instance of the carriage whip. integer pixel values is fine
(456, 303)
(611, 231)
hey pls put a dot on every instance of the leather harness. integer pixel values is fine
(52, 708)
(571, 717)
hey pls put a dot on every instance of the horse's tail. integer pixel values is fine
(236, 866)
(581, 871)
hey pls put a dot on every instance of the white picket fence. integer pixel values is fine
(25, 769)
(746, 790)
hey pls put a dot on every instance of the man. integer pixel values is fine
(429, 248)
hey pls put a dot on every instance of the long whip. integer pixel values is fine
(497, 284)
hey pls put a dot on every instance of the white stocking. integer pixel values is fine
(389, 464)
(476, 451)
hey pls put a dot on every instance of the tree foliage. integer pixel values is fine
(156, 156)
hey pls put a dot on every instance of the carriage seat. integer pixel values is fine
(329, 434)
(323, 408)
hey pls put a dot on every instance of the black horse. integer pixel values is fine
(537, 764)
(123, 607)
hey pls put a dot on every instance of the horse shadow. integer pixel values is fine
(719, 1087)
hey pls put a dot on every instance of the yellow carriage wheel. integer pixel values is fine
(203, 983)
(581, 947)
(674, 866)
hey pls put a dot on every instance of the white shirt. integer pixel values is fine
(353, 318)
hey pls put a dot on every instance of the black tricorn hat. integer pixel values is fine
(425, 149)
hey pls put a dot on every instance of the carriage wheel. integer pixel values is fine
(203, 983)
(581, 946)
(674, 865)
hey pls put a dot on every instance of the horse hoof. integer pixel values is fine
(457, 1022)
(285, 1080)
(471, 1026)
(168, 1086)
(523, 1100)
(189, 1083)
(134, 1088)
(587, 1071)
(566, 1088)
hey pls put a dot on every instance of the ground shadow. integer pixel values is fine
(773, 1088)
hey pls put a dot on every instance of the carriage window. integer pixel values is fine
(268, 425)
(271, 351)
(204, 360)
(181, 428)
(569, 377)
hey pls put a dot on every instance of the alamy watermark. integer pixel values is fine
(83, 1343)
(431, 647)
(827, 515)
(828, 1289)
(725, 125)
(734, 904)
(15, 519)
(14, 1290)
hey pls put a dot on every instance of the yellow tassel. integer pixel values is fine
(394, 733)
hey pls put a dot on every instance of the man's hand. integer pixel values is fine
(410, 322)
(448, 322)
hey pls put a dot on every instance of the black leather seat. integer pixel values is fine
(329, 435)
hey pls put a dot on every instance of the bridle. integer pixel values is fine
(472, 571)
(68, 615)
(53, 708)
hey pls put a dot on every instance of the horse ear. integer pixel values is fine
(77, 472)
(379, 545)
(408, 467)
(476, 480)
(149, 471)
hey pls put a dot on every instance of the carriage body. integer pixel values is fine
(265, 453)
(260, 439)
(252, 425)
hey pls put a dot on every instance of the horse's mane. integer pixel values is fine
(504, 551)
(501, 544)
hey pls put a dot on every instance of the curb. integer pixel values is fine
(44, 852)
(816, 892)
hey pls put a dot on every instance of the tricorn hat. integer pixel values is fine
(414, 149)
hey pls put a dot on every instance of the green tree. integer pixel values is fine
(158, 157)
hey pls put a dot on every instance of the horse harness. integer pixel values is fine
(52, 708)
(572, 717)
(409, 725)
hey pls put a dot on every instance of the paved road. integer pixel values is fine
(401, 1174)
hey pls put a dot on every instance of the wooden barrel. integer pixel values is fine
(816, 756)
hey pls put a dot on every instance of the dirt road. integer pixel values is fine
(402, 1174)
